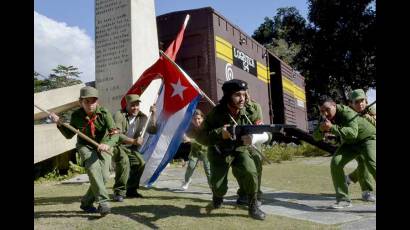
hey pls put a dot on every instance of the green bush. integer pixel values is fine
(285, 152)
(76, 169)
(55, 174)
(309, 150)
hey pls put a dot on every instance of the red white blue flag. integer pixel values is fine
(176, 104)
(175, 107)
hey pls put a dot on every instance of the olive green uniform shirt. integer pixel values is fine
(211, 133)
(349, 130)
(121, 119)
(104, 123)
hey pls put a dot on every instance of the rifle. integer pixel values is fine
(302, 135)
(241, 130)
(280, 132)
(212, 103)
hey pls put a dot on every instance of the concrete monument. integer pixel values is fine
(126, 44)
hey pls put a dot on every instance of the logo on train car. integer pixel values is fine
(243, 61)
(228, 71)
(227, 52)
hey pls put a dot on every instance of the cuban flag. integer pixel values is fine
(176, 104)
(154, 71)
(175, 107)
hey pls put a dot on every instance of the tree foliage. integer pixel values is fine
(282, 34)
(62, 76)
(335, 50)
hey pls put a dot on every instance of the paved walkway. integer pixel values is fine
(309, 207)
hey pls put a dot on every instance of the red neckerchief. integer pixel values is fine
(90, 122)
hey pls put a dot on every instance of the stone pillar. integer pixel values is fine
(126, 43)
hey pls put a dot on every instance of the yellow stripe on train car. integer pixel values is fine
(223, 49)
(262, 72)
(293, 89)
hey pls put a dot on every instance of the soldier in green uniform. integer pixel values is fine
(223, 152)
(97, 123)
(358, 138)
(129, 163)
(358, 102)
(198, 151)
(242, 197)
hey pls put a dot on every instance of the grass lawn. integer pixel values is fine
(56, 206)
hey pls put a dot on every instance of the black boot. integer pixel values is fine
(104, 208)
(254, 210)
(242, 200)
(217, 201)
(133, 194)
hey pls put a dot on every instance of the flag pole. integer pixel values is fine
(71, 128)
(150, 114)
(209, 100)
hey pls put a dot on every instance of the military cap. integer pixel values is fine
(234, 85)
(88, 91)
(357, 94)
(132, 97)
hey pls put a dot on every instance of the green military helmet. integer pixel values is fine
(357, 94)
(132, 97)
(88, 91)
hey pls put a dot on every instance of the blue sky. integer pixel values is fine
(248, 15)
(64, 29)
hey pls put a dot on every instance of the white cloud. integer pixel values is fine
(56, 43)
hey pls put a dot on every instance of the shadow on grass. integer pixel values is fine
(180, 191)
(66, 214)
(157, 212)
(146, 214)
(56, 200)
(299, 196)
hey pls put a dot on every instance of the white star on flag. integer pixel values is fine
(178, 89)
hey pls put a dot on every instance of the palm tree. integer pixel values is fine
(66, 71)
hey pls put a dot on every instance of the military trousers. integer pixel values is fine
(97, 166)
(129, 166)
(258, 163)
(194, 157)
(245, 170)
(365, 179)
(346, 153)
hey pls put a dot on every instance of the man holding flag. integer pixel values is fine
(129, 164)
